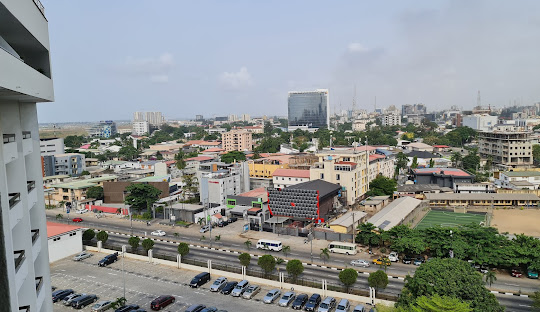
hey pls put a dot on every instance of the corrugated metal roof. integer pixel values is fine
(481, 196)
(395, 212)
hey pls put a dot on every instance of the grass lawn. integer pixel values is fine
(449, 219)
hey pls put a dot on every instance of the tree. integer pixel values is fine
(74, 141)
(378, 280)
(325, 254)
(431, 163)
(286, 249)
(134, 242)
(366, 235)
(183, 249)
(437, 303)
(190, 184)
(267, 263)
(245, 259)
(141, 196)
(248, 244)
(448, 277)
(536, 301)
(490, 277)
(102, 236)
(233, 156)
(85, 173)
(536, 153)
(88, 235)
(119, 302)
(348, 277)
(382, 185)
(414, 163)
(128, 152)
(147, 244)
(268, 128)
(401, 162)
(471, 162)
(295, 268)
(456, 159)
(95, 192)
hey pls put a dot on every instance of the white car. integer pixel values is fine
(82, 255)
(158, 233)
(204, 229)
(393, 256)
(360, 263)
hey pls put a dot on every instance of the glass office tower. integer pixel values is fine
(309, 108)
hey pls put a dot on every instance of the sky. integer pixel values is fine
(215, 58)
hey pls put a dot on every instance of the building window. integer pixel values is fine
(337, 177)
(322, 175)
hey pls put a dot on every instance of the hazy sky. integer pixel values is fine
(110, 58)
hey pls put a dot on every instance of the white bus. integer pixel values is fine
(344, 248)
(267, 244)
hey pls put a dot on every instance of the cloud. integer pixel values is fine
(236, 80)
(356, 47)
(156, 69)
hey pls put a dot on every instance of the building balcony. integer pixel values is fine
(36, 244)
(15, 209)
(10, 148)
(32, 193)
(21, 268)
(28, 146)
(25, 308)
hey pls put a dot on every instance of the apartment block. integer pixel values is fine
(104, 129)
(218, 180)
(52, 146)
(140, 127)
(25, 79)
(71, 164)
(391, 119)
(509, 147)
(479, 122)
(237, 140)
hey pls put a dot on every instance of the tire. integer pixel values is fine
(331, 251)
(347, 253)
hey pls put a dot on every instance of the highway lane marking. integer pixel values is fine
(511, 284)
(112, 274)
(524, 305)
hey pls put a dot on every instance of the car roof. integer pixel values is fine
(315, 296)
(343, 301)
(289, 293)
(328, 299)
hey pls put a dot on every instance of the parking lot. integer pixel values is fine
(143, 283)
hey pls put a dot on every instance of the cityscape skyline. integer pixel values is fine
(434, 53)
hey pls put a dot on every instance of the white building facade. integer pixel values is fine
(51, 147)
(140, 128)
(478, 122)
(25, 79)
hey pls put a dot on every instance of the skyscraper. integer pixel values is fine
(25, 78)
(309, 109)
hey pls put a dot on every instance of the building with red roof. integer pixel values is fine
(441, 176)
(286, 177)
(64, 240)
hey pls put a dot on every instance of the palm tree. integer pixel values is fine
(456, 159)
(325, 254)
(490, 277)
(248, 244)
(286, 250)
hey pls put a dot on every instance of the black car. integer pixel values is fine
(199, 279)
(313, 302)
(232, 219)
(61, 294)
(222, 223)
(83, 301)
(407, 259)
(228, 288)
(127, 308)
(108, 259)
(299, 302)
(195, 308)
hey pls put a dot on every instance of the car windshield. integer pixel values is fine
(340, 307)
(270, 294)
(217, 282)
(249, 290)
(324, 305)
(286, 297)
(238, 287)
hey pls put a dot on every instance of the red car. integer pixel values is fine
(516, 272)
(77, 220)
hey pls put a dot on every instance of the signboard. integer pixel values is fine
(246, 227)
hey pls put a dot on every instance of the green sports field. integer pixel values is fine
(449, 219)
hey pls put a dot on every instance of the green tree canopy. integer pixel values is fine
(378, 280)
(348, 277)
(74, 141)
(88, 235)
(95, 192)
(382, 185)
(141, 196)
(134, 242)
(437, 303)
(233, 156)
(244, 258)
(183, 249)
(295, 268)
(267, 263)
(449, 277)
(102, 236)
(128, 152)
(147, 244)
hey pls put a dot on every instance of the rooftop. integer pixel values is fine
(60, 176)
(442, 171)
(199, 158)
(481, 196)
(422, 154)
(422, 188)
(395, 212)
(419, 145)
(161, 178)
(346, 219)
(257, 193)
(85, 183)
(521, 173)
(293, 173)
(324, 188)
(55, 229)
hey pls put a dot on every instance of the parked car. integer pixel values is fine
(228, 288)
(82, 255)
(108, 259)
(516, 272)
(127, 308)
(199, 279)
(359, 308)
(286, 299)
(407, 259)
(222, 223)
(232, 219)
(271, 296)
(139, 310)
(195, 308)
(299, 302)
(360, 263)
(69, 298)
(313, 302)
(240, 288)
(418, 261)
(532, 274)
(204, 229)
(158, 233)
(251, 291)
(327, 305)
(218, 284)
(61, 294)
(343, 306)
(393, 256)
(161, 302)
(77, 220)
(380, 261)
(83, 301)
(102, 306)
(209, 309)
(483, 269)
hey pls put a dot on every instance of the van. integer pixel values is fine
(267, 244)
(83, 301)
(240, 288)
(200, 279)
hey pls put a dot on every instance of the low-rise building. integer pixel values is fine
(441, 176)
(508, 147)
(482, 200)
(75, 190)
(218, 180)
(64, 240)
(418, 190)
(474, 188)
(348, 221)
(71, 164)
(141, 128)
(404, 210)
(286, 177)
(507, 178)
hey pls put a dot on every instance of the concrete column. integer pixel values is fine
(99, 245)
(372, 295)
(244, 272)
(150, 255)
(123, 250)
(210, 267)
(179, 261)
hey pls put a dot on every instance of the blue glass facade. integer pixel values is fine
(309, 109)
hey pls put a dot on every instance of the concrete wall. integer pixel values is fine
(67, 245)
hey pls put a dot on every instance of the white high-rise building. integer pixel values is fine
(141, 127)
(25, 78)
(154, 119)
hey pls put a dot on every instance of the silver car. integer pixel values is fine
(204, 229)
(327, 305)
(240, 288)
(82, 255)
(360, 263)
(102, 306)
(287, 298)
(343, 306)
(271, 296)
(251, 291)
(69, 299)
(218, 284)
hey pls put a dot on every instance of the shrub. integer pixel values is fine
(102, 236)
(147, 244)
(88, 235)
